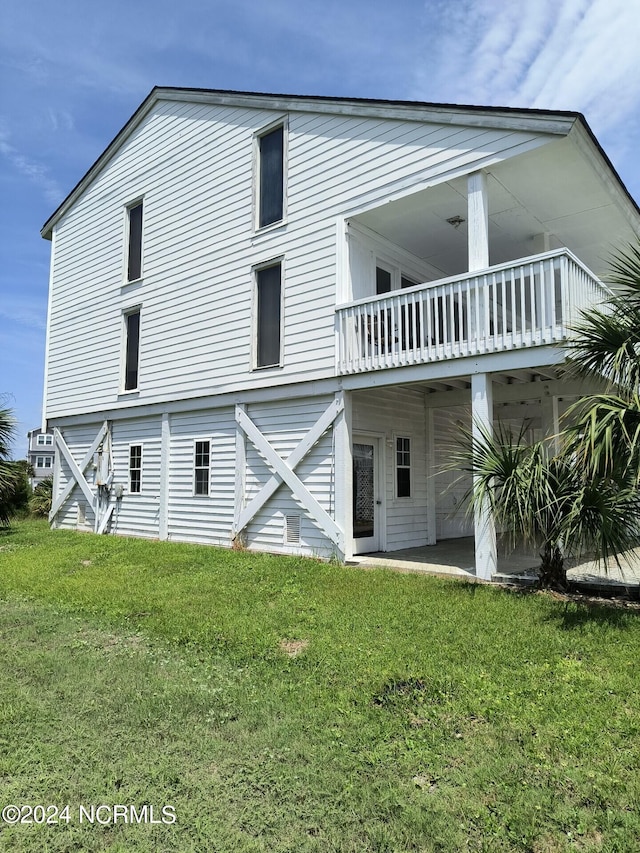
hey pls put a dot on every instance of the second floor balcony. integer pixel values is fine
(530, 302)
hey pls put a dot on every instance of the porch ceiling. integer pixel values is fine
(554, 189)
(512, 377)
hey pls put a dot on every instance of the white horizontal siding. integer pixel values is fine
(202, 518)
(193, 165)
(452, 518)
(137, 514)
(396, 413)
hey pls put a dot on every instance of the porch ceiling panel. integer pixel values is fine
(554, 190)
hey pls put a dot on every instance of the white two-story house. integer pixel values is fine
(40, 455)
(269, 314)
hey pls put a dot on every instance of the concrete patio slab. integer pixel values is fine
(456, 557)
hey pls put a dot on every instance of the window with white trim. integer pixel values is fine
(44, 439)
(268, 315)
(131, 349)
(271, 176)
(403, 467)
(202, 467)
(134, 242)
(44, 462)
(135, 469)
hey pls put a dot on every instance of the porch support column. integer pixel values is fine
(478, 221)
(484, 524)
(551, 420)
(343, 474)
(165, 451)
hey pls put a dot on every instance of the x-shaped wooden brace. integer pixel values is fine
(284, 471)
(76, 470)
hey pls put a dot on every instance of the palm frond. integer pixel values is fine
(605, 435)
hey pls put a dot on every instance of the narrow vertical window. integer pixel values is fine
(134, 265)
(383, 280)
(132, 350)
(202, 467)
(135, 469)
(269, 296)
(271, 177)
(403, 467)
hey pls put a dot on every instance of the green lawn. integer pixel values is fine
(290, 705)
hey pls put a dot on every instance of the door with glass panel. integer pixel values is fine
(366, 495)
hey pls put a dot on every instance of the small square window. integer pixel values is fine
(135, 469)
(403, 467)
(202, 467)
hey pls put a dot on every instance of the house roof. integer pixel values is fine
(554, 122)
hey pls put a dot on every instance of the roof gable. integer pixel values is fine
(558, 123)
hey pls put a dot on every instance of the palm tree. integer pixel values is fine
(578, 492)
(606, 433)
(40, 500)
(548, 500)
(8, 475)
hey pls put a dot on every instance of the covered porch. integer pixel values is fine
(402, 492)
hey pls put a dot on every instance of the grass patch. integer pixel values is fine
(282, 704)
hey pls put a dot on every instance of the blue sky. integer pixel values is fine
(73, 72)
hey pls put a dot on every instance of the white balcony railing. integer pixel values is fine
(529, 303)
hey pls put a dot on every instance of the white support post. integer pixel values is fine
(431, 477)
(478, 250)
(56, 483)
(343, 467)
(478, 221)
(241, 476)
(551, 421)
(165, 450)
(484, 524)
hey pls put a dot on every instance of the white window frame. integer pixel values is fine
(130, 468)
(127, 239)
(44, 439)
(41, 462)
(273, 262)
(404, 437)
(283, 122)
(196, 467)
(126, 313)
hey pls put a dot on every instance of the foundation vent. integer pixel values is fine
(292, 530)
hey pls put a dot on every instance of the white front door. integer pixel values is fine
(367, 497)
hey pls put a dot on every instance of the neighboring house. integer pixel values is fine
(268, 313)
(40, 455)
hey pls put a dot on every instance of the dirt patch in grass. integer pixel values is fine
(293, 648)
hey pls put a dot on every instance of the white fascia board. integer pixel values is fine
(495, 362)
(470, 116)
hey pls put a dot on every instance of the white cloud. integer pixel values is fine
(28, 313)
(572, 54)
(35, 172)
